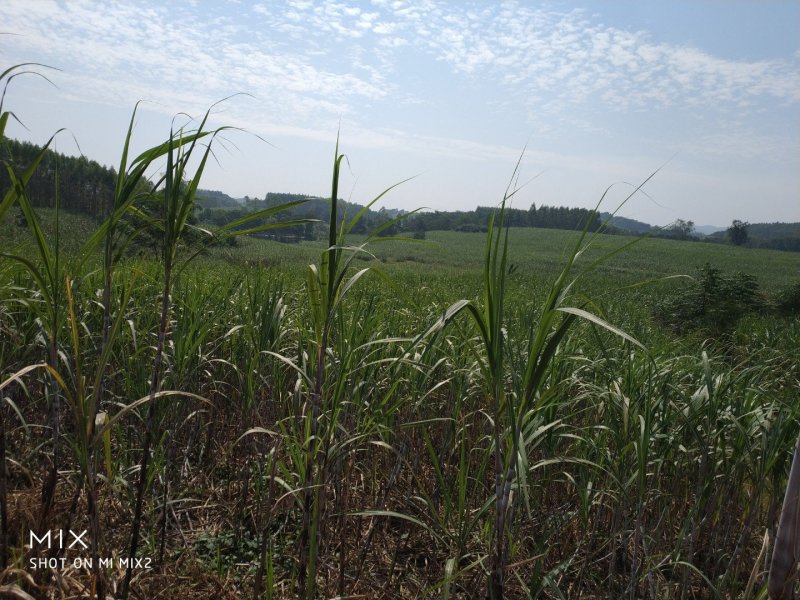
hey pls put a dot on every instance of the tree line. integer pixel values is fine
(88, 187)
(84, 185)
(396, 222)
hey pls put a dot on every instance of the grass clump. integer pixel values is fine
(714, 301)
(787, 300)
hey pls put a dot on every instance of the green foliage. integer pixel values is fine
(775, 236)
(371, 220)
(545, 217)
(146, 237)
(84, 185)
(680, 230)
(618, 436)
(787, 300)
(224, 550)
(216, 199)
(738, 232)
(713, 301)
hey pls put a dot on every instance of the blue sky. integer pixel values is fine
(598, 94)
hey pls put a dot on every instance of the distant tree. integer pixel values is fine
(738, 232)
(681, 229)
(382, 219)
(83, 185)
(417, 226)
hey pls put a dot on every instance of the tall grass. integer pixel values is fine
(327, 286)
(515, 412)
(177, 199)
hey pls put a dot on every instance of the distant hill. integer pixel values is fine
(83, 185)
(390, 221)
(88, 187)
(777, 236)
(216, 199)
(626, 225)
(773, 231)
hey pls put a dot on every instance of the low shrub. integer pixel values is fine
(787, 301)
(714, 301)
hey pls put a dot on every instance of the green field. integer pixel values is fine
(650, 472)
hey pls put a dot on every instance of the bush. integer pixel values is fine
(787, 300)
(715, 301)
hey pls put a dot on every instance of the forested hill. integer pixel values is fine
(549, 217)
(217, 199)
(474, 220)
(83, 185)
(776, 236)
(86, 186)
(625, 224)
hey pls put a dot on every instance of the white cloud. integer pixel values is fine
(121, 51)
(561, 59)
(539, 51)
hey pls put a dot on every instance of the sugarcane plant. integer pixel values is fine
(327, 285)
(48, 278)
(176, 199)
(512, 411)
